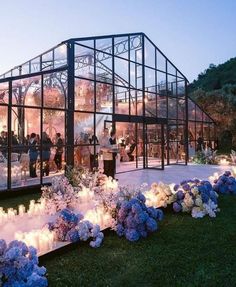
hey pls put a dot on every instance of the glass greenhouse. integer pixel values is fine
(83, 85)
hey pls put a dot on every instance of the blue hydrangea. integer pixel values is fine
(120, 230)
(141, 197)
(3, 246)
(132, 235)
(151, 225)
(72, 235)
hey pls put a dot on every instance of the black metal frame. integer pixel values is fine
(122, 49)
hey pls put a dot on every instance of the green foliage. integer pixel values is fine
(216, 77)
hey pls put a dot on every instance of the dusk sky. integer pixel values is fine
(191, 33)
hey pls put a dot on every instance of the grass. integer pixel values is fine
(184, 252)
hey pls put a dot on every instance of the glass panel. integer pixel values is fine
(102, 121)
(84, 95)
(24, 122)
(171, 69)
(161, 83)
(25, 68)
(104, 69)
(35, 65)
(4, 93)
(27, 91)
(3, 147)
(180, 88)
(206, 131)
(150, 104)
(191, 131)
(53, 122)
(88, 43)
(172, 86)
(47, 61)
(198, 114)
(161, 61)
(121, 47)
(153, 146)
(150, 80)
(181, 108)
(104, 96)
(83, 127)
(161, 106)
(136, 102)
(55, 90)
(136, 75)
(121, 100)
(60, 56)
(104, 44)
(191, 110)
(121, 72)
(149, 54)
(84, 62)
(136, 48)
(172, 108)
(199, 130)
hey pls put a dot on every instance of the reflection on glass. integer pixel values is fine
(83, 127)
(84, 95)
(27, 91)
(55, 90)
(121, 100)
(104, 96)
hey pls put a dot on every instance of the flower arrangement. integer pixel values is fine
(59, 195)
(160, 195)
(69, 226)
(205, 156)
(225, 184)
(19, 266)
(135, 220)
(197, 197)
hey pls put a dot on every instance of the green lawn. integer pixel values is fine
(184, 252)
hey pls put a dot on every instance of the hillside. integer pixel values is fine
(216, 77)
(215, 91)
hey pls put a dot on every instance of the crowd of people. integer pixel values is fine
(32, 146)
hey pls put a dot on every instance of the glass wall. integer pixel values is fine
(54, 108)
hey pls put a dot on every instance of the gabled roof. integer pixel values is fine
(57, 56)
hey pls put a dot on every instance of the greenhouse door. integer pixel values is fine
(154, 146)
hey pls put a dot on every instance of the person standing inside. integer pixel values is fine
(114, 154)
(94, 149)
(106, 148)
(33, 154)
(46, 152)
(59, 152)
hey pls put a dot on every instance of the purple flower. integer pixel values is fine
(151, 225)
(120, 230)
(177, 207)
(186, 187)
(180, 195)
(141, 197)
(160, 214)
(176, 187)
(132, 235)
(136, 208)
(3, 246)
(72, 235)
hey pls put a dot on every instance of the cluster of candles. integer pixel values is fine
(35, 209)
(99, 216)
(224, 161)
(86, 195)
(41, 239)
